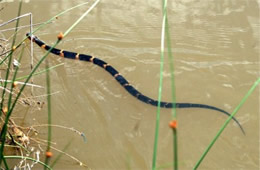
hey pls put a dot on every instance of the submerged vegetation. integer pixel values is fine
(21, 143)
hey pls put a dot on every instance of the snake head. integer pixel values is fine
(31, 36)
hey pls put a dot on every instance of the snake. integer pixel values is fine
(122, 81)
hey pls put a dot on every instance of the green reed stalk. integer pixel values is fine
(10, 59)
(174, 114)
(60, 154)
(171, 63)
(47, 159)
(28, 158)
(82, 16)
(44, 24)
(40, 72)
(226, 123)
(40, 27)
(10, 94)
(4, 129)
(5, 163)
(3, 60)
(159, 92)
(14, 77)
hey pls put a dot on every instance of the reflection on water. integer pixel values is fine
(215, 46)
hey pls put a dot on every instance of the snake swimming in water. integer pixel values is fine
(122, 81)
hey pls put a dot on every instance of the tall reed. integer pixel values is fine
(165, 30)
(8, 113)
(226, 122)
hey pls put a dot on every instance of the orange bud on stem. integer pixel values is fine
(173, 124)
(60, 36)
(48, 154)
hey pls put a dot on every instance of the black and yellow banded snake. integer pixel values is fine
(122, 81)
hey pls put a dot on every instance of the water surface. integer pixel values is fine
(215, 46)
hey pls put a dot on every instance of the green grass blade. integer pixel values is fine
(171, 63)
(61, 154)
(226, 122)
(174, 114)
(47, 159)
(10, 60)
(159, 92)
(11, 90)
(59, 14)
(43, 24)
(40, 72)
(82, 16)
(3, 60)
(4, 128)
(13, 79)
(5, 163)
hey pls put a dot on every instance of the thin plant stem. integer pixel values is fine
(82, 16)
(60, 154)
(11, 90)
(40, 72)
(42, 25)
(10, 58)
(159, 95)
(4, 128)
(21, 27)
(47, 159)
(15, 19)
(27, 158)
(13, 80)
(226, 122)
(5, 163)
(175, 149)
(174, 113)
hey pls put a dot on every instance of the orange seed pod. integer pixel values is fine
(173, 124)
(48, 154)
(14, 48)
(15, 84)
(60, 36)
(5, 109)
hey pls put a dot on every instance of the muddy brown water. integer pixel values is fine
(215, 46)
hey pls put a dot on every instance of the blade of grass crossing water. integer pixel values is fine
(48, 156)
(226, 122)
(60, 154)
(39, 72)
(159, 92)
(168, 37)
(77, 22)
(44, 24)
(174, 114)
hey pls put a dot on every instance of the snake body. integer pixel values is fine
(122, 81)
